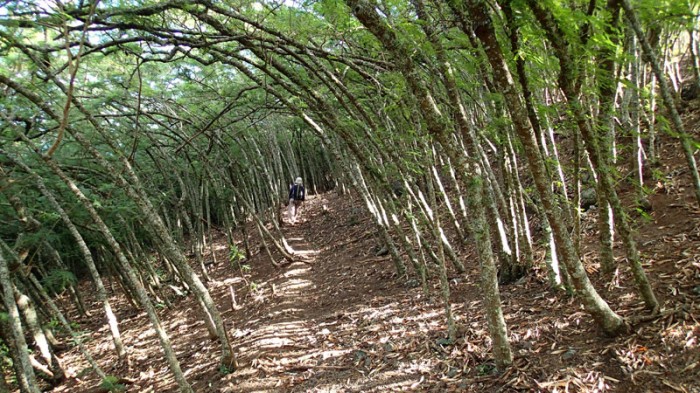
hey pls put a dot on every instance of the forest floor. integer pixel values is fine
(341, 321)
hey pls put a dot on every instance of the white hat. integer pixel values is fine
(298, 180)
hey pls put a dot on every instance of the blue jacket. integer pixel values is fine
(297, 192)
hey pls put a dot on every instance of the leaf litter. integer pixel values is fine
(343, 321)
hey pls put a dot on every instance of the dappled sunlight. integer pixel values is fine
(288, 303)
(294, 284)
(297, 272)
(340, 321)
(284, 312)
(307, 253)
(220, 247)
(272, 342)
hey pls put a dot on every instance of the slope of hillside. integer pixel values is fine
(341, 321)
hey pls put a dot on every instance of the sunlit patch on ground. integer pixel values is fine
(342, 322)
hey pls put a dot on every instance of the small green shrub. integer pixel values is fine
(236, 256)
(111, 384)
(225, 370)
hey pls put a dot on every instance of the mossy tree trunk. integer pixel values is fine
(484, 30)
(23, 367)
(569, 82)
(438, 129)
(101, 293)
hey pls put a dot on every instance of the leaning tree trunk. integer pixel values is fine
(477, 196)
(87, 258)
(666, 95)
(605, 317)
(135, 191)
(442, 269)
(436, 126)
(31, 225)
(419, 265)
(25, 373)
(130, 274)
(76, 337)
(54, 370)
(569, 85)
(375, 208)
(430, 219)
(522, 221)
(607, 89)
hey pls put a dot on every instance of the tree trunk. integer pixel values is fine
(127, 270)
(569, 85)
(24, 371)
(134, 190)
(87, 258)
(442, 269)
(56, 373)
(605, 317)
(436, 126)
(666, 95)
(66, 325)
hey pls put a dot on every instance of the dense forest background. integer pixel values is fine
(524, 149)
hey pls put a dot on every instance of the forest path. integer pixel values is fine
(316, 325)
(281, 342)
(341, 321)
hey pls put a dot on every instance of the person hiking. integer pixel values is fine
(297, 194)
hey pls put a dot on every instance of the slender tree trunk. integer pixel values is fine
(694, 59)
(77, 337)
(24, 371)
(605, 317)
(569, 85)
(56, 373)
(379, 219)
(134, 190)
(430, 219)
(448, 204)
(130, 274)
(87, 258)
(442, 269)
(436, 126)
(637, 157)
(666, 95)
(522, 222)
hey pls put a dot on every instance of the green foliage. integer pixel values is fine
(225, 370)
(57, 280)
(162, 275)
(53, 324)
(56, 325)
(236, 256)
(644, 214)
(112, 385)
(5, 357)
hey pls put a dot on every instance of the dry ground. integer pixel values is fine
(343, 322)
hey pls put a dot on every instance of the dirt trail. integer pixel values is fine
(287, 341)
(343, 322)
(281, 335)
